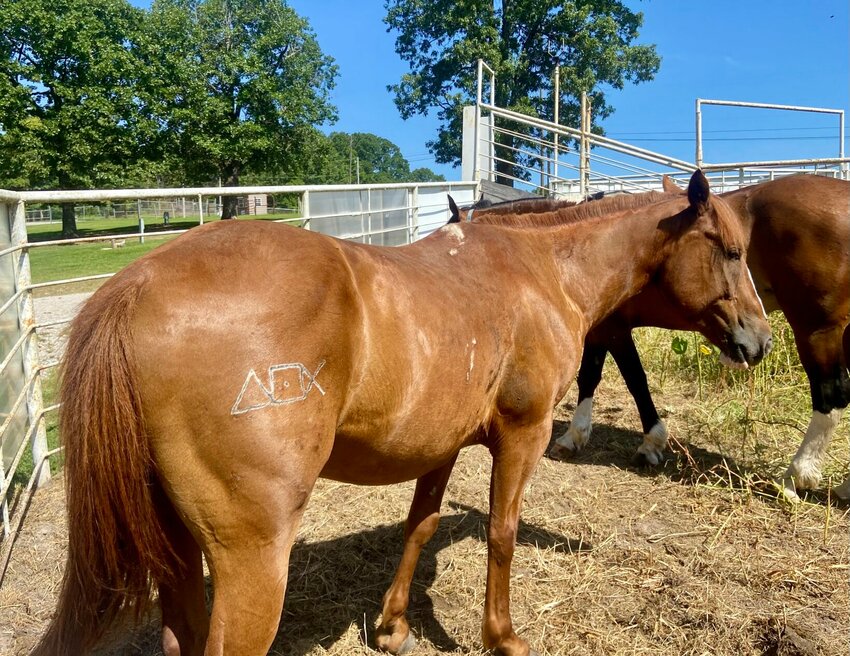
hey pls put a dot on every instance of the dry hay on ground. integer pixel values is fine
(611, 559)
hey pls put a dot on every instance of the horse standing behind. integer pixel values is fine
(799, 256)
(204, 393)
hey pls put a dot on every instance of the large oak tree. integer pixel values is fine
(523, 40)
(240, 80)
(70, 111)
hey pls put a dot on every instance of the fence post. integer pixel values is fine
(305, 209)
(26, 320)
(141, 221)
(201, 209)
(414, 214)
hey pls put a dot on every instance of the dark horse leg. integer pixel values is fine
(824, 357)
(655, 432)
(393, 633)
(589, 376)
(622, 347)
(185, 623)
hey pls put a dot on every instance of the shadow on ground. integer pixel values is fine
(688, 464)
(335, 583)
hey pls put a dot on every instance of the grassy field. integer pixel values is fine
(61, 262)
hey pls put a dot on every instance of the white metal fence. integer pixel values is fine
(388, 214)
(547, 158)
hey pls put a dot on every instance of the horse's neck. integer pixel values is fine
(604, 263)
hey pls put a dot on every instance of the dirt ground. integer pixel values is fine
(612, 559)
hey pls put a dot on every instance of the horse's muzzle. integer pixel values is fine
(747, 346)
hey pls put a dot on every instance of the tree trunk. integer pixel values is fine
(69, 221)
(69, 217)
(229, 204)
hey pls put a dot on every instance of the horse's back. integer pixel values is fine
(800, 246)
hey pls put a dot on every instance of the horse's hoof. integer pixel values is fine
(560, 452)
(408, 645)
(843, 491)
(787, 491)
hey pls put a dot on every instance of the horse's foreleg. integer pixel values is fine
(393, 633)
(515, 454)
(589, 376)
(655, 432)
(821, 355)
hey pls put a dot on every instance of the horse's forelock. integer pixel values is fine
(727, 222)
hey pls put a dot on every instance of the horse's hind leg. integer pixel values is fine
(393, 634)
(843, 490)
(821, 353)
(248, 561)
(185, 623)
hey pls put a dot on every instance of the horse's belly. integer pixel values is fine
(379, 458)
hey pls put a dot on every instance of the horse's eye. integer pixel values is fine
(733, 254)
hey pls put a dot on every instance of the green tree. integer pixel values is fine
(522, 40)
(423, 174)
(378, 159)
(70, 111)
(240, 80)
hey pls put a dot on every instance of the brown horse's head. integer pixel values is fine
(706, 277)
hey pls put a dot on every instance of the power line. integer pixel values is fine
(691, 139)
(731, 131)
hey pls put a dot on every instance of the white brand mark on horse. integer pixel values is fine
(287, 383)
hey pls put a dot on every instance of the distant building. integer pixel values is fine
(258, 204)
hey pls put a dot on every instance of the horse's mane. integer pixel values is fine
(521, 205)
(562, 212)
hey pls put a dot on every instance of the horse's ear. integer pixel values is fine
(698, 191)
(669, 186)
(455, 217)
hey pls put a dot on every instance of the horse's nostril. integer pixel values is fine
(768, 345)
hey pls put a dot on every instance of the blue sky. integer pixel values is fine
(794, 52)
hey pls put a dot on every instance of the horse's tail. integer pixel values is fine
(117, 547)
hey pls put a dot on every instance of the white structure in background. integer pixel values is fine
(602, 164)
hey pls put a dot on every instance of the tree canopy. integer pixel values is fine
(240, 80)
(70, 108)
(523, 40)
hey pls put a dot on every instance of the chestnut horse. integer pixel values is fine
(205, 391)
(799, 256)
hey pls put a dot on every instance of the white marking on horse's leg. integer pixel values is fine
(843, 490)
(804, 472)
(577, 435)
(654, 443)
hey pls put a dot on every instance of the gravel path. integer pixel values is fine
(52, 340)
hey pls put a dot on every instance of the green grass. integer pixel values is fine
(754, 418)
(61, 262)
